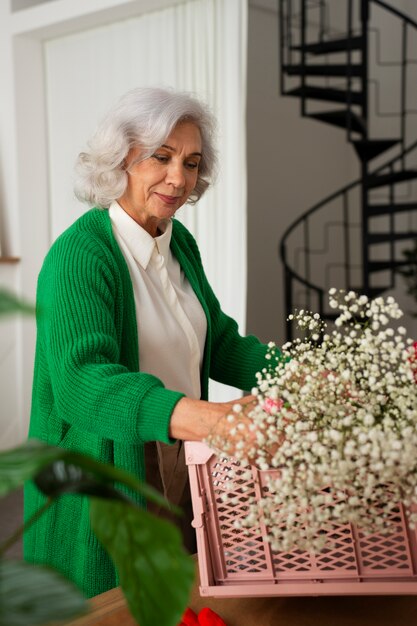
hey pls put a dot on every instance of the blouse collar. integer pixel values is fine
(139, 242)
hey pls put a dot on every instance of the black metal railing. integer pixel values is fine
(366, 258)
(347, 269)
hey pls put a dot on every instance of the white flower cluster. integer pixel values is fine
(336, 422)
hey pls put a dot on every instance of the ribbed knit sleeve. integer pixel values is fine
(235, 359)
(87, 347)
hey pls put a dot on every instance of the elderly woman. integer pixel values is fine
(130, 330)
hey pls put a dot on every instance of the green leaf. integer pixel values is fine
(9, 304)
(22, 463)
(34, 594)
(112, 474)
(25, 462)
(60, 477)
(155, 572)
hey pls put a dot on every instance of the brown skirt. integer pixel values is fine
(167, 472)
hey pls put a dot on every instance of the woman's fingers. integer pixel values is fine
(236, 435)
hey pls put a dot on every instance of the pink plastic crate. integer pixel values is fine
(233, 563)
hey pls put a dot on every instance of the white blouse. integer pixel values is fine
(171, 322)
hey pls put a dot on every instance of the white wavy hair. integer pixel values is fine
(143, 117)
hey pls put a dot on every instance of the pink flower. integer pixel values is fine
(271, 406)
(413, 359)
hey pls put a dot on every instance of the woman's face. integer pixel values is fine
(160, 184)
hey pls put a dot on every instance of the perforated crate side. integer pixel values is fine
(234, 563)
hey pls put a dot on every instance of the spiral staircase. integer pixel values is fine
(353, 64)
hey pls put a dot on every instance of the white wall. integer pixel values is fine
(10, 275)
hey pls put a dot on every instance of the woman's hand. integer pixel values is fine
(195, 420)
(241, 435)
(225, 428)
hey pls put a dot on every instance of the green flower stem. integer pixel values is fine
(24, 527)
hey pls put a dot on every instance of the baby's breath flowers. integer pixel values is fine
(334, 425)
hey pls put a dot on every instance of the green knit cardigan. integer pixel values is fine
(88, 392)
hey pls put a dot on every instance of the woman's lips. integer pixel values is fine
(168, 199)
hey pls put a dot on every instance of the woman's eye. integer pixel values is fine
(191, 165)
(160, 157)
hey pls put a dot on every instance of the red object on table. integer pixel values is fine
(206, 617)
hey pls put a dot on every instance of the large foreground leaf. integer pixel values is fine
(67, 471)
(60, 477)
(20, 464)
(155, 572)
(33, 594)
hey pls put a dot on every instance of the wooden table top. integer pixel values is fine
(109, 609)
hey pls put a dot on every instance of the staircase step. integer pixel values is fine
(391, 179)
(333, 45)
(368, 149)
(341, 118)
(323, 93)
(324, 70)
(387, 237)
(384, 209)
(380, 266)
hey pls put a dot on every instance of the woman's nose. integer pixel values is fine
(175, 175)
